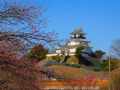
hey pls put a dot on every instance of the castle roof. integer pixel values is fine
(78, 31)
(78, 40)
(70, 47)
(75, 46)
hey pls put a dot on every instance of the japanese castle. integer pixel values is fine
(77, 39)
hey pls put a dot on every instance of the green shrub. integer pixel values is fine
(74, 65)
(96, 69)
(105, 64)
(79, 51)
(48, 63)
(56, 58)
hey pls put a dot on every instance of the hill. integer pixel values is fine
(69, 73)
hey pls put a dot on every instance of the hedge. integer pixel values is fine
(96, 69)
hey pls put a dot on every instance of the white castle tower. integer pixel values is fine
(77, 39)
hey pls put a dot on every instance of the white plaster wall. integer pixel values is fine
(58, 51)
(73, 50)
(72, 54)
(73, 43)
(49, 55)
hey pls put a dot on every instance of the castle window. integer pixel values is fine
(77, 35)
(72, 35)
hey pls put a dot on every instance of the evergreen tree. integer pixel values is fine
(79, 52)
(38, 53)
(99, 53)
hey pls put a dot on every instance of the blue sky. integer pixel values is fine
(99, 18)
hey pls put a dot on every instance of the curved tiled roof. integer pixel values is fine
(78, 31)
(78, 40)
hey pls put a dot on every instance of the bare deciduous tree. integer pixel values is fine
(25, 23)
(21, 27)
(116, 48)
